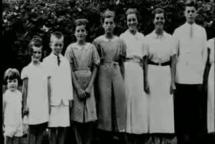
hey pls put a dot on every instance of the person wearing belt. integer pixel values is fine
(190, 102)
(84, 60)
(159, 80)
(137, 116)
(111, 97)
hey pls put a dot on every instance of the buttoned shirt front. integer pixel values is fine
(61, 84)
(191, 53)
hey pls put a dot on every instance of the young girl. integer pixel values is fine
(111, 90)
(35, 93)
(136, 97)
(84, 59)
(12, 108)
(61, 93)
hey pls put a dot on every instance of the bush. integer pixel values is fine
(24, 18)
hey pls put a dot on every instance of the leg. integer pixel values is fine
(53, 136)
(17, 140)
(78, 133)
(61, 135)
(8, 140)
(88, 133)
(40, 133)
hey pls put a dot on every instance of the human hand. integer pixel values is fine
(146, 87)
(81, 94)
(172, 88)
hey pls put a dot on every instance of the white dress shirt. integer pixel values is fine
(61, 84)
(192, 53)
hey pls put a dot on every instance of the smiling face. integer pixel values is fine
(80, 32)
(56, 44)
(190, 14)
(12, 84)
(36, 54)
(159, 21)
(109, 25)
(132, 22)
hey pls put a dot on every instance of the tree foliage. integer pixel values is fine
(24, 18)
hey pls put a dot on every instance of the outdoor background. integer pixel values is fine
(21, 19)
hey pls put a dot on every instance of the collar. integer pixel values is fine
(136, 35)
(154, 35)
(54, 56)
(107, 40)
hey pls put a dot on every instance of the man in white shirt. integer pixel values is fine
(190, 114)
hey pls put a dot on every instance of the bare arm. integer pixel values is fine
(49, 93)
(145, 74)
(24, 95)
(173, 72)
(93, 76)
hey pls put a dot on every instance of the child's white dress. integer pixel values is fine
(37, 96)
(12, 113)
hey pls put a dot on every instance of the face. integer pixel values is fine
(159, 21)
(132, 21)
(80, 33)
(109, 25)
(12, 84)
(190, 14)
(36, 54)
(56, 45)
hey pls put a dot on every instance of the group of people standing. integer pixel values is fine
(125, 86)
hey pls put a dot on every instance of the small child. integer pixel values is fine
(84, 60)
(58, 68)
(35, 93)
(12, 108)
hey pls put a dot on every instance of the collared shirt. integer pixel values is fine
(160, 47)
(191, 53)
(134, 43)
(61, 84)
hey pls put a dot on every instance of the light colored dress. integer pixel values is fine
(61, 90)
(82, 60)
(137, 116)
(110, 84)
(211, 99)
(12, 113)
(161, 116)
(37, 95)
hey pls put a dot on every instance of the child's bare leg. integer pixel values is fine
(8, 140)
(31, 138)
(53, 136)
(61, 135)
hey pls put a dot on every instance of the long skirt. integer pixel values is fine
(161, 112)
(211, 102)
(137, 116)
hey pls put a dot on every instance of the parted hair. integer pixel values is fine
(11, 73)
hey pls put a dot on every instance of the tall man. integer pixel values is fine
(191, 57)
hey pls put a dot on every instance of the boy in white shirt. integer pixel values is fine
(58, 68)
(190, 103)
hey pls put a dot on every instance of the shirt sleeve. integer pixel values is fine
(96, 59)
(204, 50)
(24, 73)
(173, 46)
(175, 43)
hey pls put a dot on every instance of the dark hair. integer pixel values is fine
(190, 3)
(158, 11)
(108, 14)
(35, 41)
(11, 73)
(80, 22)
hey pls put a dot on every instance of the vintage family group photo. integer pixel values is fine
(108, 72)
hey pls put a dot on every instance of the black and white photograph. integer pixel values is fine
(108, 72)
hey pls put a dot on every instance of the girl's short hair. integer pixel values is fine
(36, 41)
(11, 73)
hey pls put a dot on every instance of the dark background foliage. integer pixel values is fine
(21, 19)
